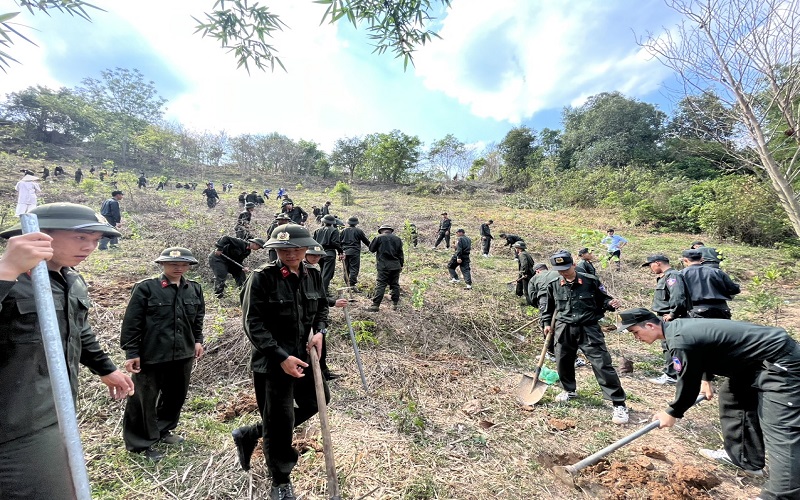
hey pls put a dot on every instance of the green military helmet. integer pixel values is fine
(283, 217)
(257, 241)
(329, 219)
(352, 220)
(176, 254)
(385, 227)
(69, 216)
(291, 236)
(316, 250)
(521, 245)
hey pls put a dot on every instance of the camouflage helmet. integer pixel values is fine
(521, 245)
(291, 236)
(176, 254)
(68, 216)
(316, 250)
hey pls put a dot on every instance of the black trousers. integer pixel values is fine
(465, 269)
(589, 338)
(155, 407)
(35, 466)
(486, 244)
(221, 269)
(276, 394)
(443, 236)
(327, 265)
(385, 277)
(669, 367)
(352, 264)
(710, 312)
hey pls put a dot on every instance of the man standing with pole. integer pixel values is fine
(33, 459)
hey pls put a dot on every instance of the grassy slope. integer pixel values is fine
(440, 420)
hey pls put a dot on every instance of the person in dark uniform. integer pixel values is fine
(537, 296)
(280, 219)
(243, 221)
(326, 208)
(33, 459)
(580, 301)
(710, 255)
(316, 212)
(585, 265)
(328, 237)
(460, 259)
(111, 211)
(142, 182)
(78, 175)
(389, 260)
(297, 214)
(251, 198)
(486, 237)
(671, 301)
(352, 238)
(59, 171)
(281, 303)
(212, 197)
(45, 173)
(510, 240)
(444, 231)
(414, 236)
(242, 200)
(228, 258)
(710, 288)
(759, 404)
(162, 335)
(525, 265)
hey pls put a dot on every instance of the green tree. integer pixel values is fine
(128, 102)
(521, 155)
(46, 115)
(611, 129)
(389, 157)
(449, 156)
(348, 154)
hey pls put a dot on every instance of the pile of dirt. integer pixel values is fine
(110, 296)
(558, 424)
(682, 482)
(242, 404)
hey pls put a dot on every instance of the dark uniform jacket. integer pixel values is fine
(511, 239)
(251, 198)
(352, 238)
(163, 321)
(210, 193)
(583, 302)
(325, 210)
(486, 231)
(586, 267)
(444, 226)
(279, 309)
(388, 250)
(463, 248)
(671, 296)
(235, 248)
(243, 220)
(709, 286)
(537, 287)
(701, 348)
(25, 392)
(110, 210)
(525, 265)
(297, 214)
(328, 237)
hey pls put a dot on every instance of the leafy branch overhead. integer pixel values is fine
(244, 28)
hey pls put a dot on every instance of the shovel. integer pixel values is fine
(567, 474)
(327, 445)
(531, 388)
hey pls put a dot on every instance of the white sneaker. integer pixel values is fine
(454, 280)
(468, 287)
(486, 255)
(550, 357)
(722, 456)
(579, 361)
(620, 415)
(664, 379)
(565, 396)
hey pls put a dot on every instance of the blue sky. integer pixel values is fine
(499, 64)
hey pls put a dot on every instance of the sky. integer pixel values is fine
(498, 65)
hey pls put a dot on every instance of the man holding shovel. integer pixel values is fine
(281, 303)
(33, 458)
(762, 364)
(228, 258)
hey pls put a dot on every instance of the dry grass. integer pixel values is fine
(440, 419)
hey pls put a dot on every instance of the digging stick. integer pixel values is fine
(57, 367)
(568, 473)
(355, 344)
(239, 265)
(525, 325)
(327, 445)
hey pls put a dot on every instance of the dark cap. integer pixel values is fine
(443, 213)
(258, 241)
(630, 317)
(69, 216)
(491, 221)
(291, 236)
(697, 243)
(583, 251)
(461, 230)
(316, 250)
(352, 220)
(176, 254)
(658, 257)
(539, 266)
(561, 261)
(692, 254)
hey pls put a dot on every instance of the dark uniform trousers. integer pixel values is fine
(352, 265)
(590, 340)
(738, 417)
(221, 268)
(385, 277)
(701, 311)
(162, 386)
(465, 269)
(443, 235)
(327, 265)
(486, 244)
(276, 395)
(35, 466)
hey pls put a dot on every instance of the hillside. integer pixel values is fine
(440, 419)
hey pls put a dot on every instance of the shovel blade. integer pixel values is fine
(530, 390)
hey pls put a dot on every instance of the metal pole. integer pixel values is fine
(57, 367)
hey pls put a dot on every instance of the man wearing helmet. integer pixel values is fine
(281, 303)
(389, 259)
(33, 459)
(162, 335)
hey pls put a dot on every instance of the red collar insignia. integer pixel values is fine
(285, 272)
(164, 283)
